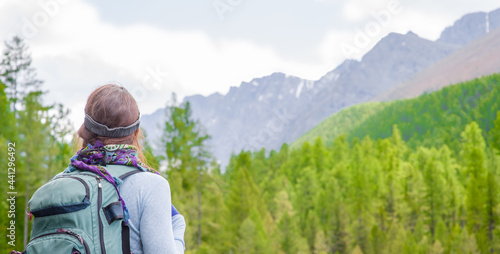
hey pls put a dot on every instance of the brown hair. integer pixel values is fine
(113, 106)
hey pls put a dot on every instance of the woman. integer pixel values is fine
(112, 118)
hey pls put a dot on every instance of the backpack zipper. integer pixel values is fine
(68, 232)
(99, 204)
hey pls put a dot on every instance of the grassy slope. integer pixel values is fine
(341, 122)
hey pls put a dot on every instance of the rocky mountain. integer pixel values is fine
(471, 27)
(479, 58)
(269, 111)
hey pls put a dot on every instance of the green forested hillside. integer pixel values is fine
(431, 119)
(342, 122)
(369, 197)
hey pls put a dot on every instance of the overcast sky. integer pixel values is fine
(204, 46)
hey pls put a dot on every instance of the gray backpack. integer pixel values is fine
(79, 212)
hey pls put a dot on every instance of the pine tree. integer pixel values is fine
(7, 134)
(473, 155)
(34, 130)
(434, 187)
(495, 133)
(7, 120)
(331, 205)
(183, 139)
(291, 240)
(360, 193)
(453, 202)
(390, 152)
(243, 195)
(214, 213)
(396, 239)
(253, 237)
(16, 71)
(491, 218)
(187, 158)
(320, 243)
(304, 204)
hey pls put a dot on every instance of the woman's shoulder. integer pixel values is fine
(146, 180)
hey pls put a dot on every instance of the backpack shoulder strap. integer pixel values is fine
(130, 173)
(121, 171)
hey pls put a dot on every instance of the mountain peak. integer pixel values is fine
(401, 45)
(412, 34)
(391, 37)
(470, 27)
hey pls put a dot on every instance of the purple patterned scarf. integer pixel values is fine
(93, 158)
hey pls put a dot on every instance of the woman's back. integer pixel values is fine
(152, 227)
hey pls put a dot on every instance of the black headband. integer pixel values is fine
(103, 130)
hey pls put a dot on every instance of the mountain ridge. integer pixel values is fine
(476, 59)
(279, 108)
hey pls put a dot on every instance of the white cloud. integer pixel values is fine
(358, 10)
(330, 46)
(75, 51)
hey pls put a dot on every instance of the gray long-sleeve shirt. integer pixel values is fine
(153, 229)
